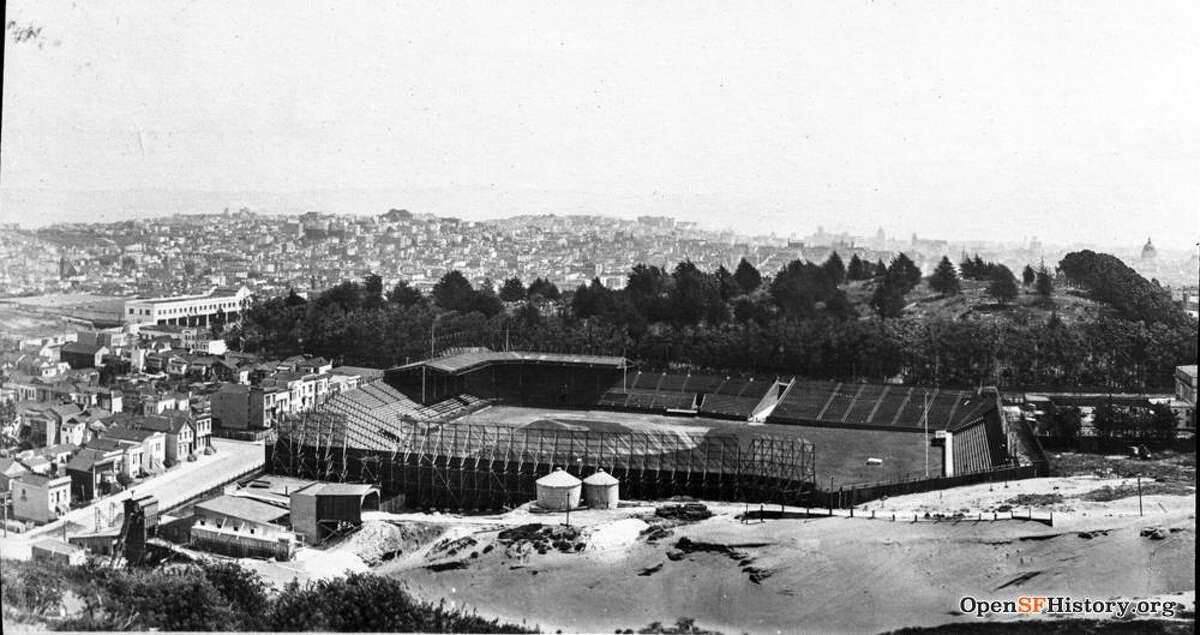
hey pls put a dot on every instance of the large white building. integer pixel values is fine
(188, 310)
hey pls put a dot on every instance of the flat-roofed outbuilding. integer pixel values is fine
(322, 509)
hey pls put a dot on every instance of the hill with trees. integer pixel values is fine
(966, 326)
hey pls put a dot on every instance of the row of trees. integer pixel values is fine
(1002, 284)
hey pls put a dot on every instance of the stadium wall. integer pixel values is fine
(468, 467)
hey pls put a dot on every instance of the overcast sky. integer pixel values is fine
(1073, 121)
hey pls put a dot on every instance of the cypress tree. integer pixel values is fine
(945, 279)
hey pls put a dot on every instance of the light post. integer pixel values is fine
(424, 368)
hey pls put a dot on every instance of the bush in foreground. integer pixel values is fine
(224, 597)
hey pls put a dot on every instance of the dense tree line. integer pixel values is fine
(1112, 282)
(798, 321)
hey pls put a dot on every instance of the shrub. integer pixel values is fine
(33, 589)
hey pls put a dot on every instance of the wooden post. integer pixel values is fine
(1139, 486)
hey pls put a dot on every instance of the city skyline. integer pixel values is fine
(991, 121)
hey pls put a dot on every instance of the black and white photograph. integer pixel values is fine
(666, 317)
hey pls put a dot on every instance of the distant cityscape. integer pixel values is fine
(272, 254)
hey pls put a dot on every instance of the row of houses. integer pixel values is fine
(44, 482)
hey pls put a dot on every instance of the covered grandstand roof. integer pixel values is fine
(463, 362)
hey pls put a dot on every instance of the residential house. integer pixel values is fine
(178, 429)
(307, 391)
(41, 498)
(10, 468)
(25, 386)
(82, 355)
(59, 419)
(132, 454)
(202, 423)
(154, 402)
(314, 366)
(342, 383)
(58, 455)
(94, 471)
(36, 463)
(229, 370)
(201, 367)
(153, 446)
(1184, 404)
(240, 407)
(176, 365)
(111, 399)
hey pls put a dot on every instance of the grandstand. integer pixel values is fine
(418, 430)
(880, 406)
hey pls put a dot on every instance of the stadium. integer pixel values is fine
(474, 428)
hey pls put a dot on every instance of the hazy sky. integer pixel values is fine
(1074, 121)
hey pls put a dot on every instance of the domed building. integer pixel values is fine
(1149, 253)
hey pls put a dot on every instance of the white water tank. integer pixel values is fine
(558, 490)
(600, 490)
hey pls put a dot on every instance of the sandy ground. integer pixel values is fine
(1072, 511)
(780, 576)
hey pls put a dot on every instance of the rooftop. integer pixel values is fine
(340, 489)
(558, 478)
(42, 480)
(243, 508)
(57, 546)
(462, 362)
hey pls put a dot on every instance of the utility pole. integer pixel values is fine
(925, 417)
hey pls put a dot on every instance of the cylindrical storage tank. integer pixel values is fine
(558, 490)
(600, 490)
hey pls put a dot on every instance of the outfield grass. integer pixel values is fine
(840, 453)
